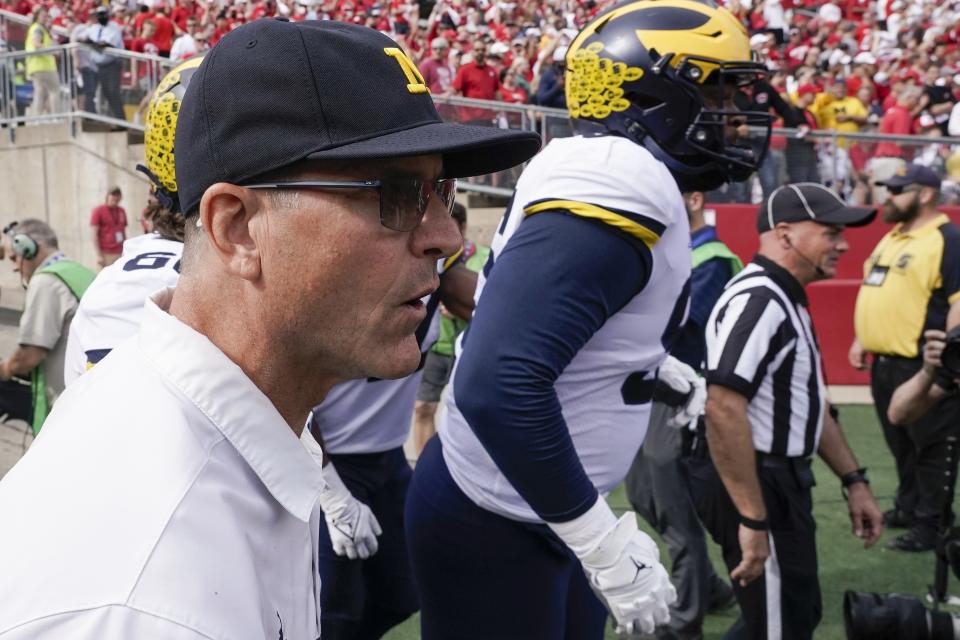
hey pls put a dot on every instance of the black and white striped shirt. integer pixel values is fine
(761, 344)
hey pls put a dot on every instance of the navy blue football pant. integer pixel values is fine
(363, 599)
(658, 488)
(482, 576)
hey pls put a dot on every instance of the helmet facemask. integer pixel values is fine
(664, 75)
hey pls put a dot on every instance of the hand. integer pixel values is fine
(684, 381)
(754, 551)
(935, 341)
(101, 261)
(857, 356)
(352, 526)
(865, 516)
(624, 570)
(5, 373)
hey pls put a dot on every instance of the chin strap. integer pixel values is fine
(167, 200)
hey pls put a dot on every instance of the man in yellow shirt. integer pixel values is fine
(840, 112)
(910, 281)
(42, 68)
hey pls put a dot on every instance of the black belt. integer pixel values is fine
(770, 461)
(884, 357)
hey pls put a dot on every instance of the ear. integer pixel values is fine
(783, 234)
(226, 213)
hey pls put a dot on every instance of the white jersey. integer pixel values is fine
(373, 415)
(111, 308)
(620, 183)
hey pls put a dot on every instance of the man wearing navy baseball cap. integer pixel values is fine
(170, 494)
(910, 282)
(911, 174)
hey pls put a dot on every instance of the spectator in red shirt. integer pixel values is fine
(890, 156)
(146, 43)
(142, 16)
(183, 10)
(165, 30)
(511, 90)
(477, 79)
(436, 70)
(109, 222)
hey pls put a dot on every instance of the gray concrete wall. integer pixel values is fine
(47, 174)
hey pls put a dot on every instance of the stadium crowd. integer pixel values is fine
(890, 67)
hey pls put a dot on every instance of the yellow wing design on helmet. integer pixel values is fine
(161, 127)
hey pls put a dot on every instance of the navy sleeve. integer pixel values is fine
(556, 283)
(549, 92)
(706, 285)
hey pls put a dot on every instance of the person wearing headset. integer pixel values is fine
(768, 414)
(54, 285)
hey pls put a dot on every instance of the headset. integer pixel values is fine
(22, 244)
(816, 267)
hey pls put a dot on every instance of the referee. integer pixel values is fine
(910, 280)
(767, 414)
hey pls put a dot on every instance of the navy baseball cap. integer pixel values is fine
(912, 174)
(809, 201)
(272, 93)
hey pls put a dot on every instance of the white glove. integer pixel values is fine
(623, 568)
(681, 377)
(352, 526)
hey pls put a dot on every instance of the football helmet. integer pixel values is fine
(663, 73)
(161, 125)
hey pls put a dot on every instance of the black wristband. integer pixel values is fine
(860, 475)
(852, 478)
(756, 525)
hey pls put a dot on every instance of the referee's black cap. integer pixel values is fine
(805, 201)
(272, 93)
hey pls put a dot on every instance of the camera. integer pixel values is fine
(872, 616)
(950, 357)
(894, 616)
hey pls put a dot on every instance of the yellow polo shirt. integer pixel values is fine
(828, 108)
(909, 282)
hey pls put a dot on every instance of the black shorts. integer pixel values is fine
(436, 374)
(16, 401)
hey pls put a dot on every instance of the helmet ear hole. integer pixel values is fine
(644, 102)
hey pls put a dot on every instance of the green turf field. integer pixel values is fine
(844, 564)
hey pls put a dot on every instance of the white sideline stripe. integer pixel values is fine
(772, 582)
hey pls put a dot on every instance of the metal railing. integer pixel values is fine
(109, 86)
(848, 162)
(117, 96)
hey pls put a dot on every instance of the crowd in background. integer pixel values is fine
(888, 66)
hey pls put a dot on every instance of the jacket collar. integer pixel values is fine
(233, 404)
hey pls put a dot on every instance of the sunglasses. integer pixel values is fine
(403, 201)
(895, 191)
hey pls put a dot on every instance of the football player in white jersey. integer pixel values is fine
(585, 290)
(110, 310)
(367, 582)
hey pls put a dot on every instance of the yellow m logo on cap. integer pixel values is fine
(415, 82)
